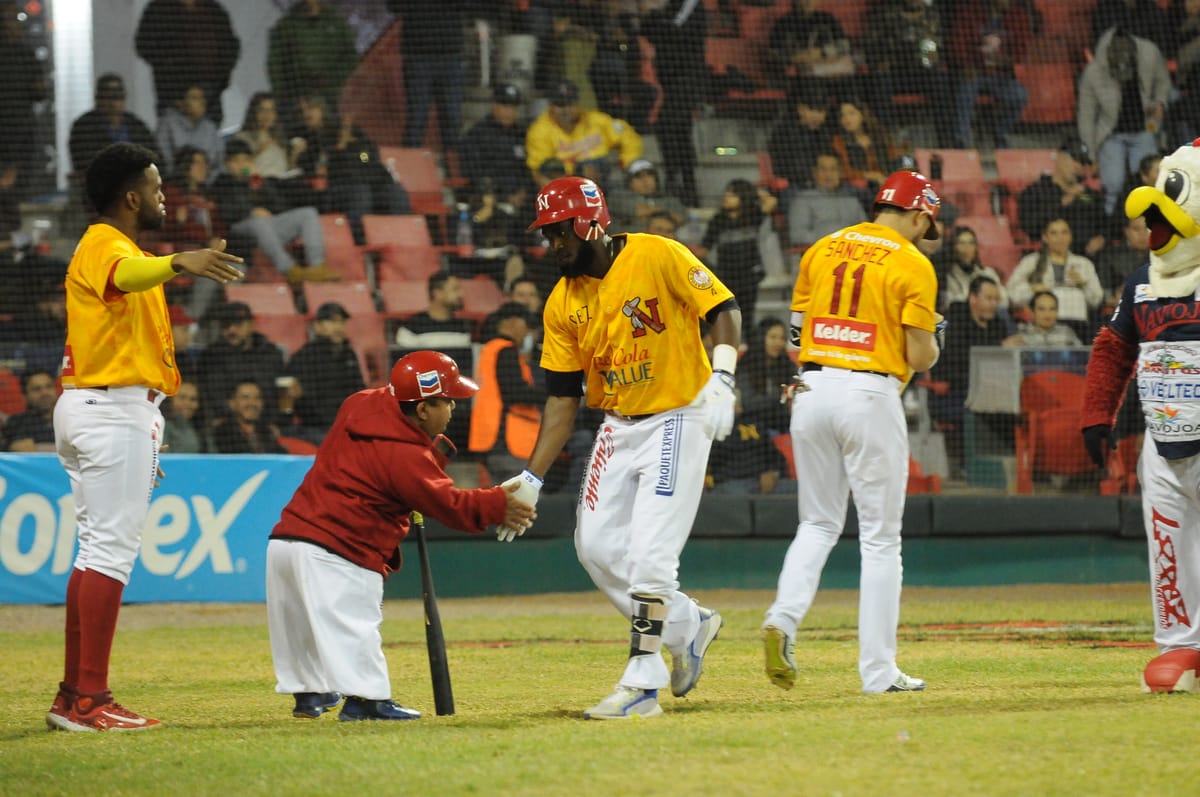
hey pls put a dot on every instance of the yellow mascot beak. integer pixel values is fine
(1168, 223)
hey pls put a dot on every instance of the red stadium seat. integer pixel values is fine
(12, 400)
(1048, 439)
(403, 298)
(294, 445)
(263, 298)
(850, 13)
(403, 263)
(406, 250)
(481, 296)
(649, 76)
(1051, 90)
(289, 332)
(412, 231)
(341, 253)
(417, 170)
(1017, 168)
(366, 334)
(919, 483)
(783, 442)
(996, 246)
(958, 165)
(354, 296)
(1070, 19)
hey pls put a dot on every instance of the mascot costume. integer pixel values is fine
(1154, 334)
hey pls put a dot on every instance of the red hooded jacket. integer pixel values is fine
(375, 467)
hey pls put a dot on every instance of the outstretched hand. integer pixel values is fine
(215, 264)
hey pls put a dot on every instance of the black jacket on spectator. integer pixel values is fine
(223, 367)
(28, 424)
(93, 132)
(494, 152)
(794, 150)
(1041, 202)
(229, 439)
(954, 366)
(328, 373)
(236, 198)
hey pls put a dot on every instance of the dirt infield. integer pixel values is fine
(21, 618)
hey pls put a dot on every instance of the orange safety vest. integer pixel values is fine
(521, 421)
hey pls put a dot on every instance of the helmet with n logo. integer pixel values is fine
(911, 191)
(576, 199)
(429, 374)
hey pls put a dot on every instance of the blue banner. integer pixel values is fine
(205, 538)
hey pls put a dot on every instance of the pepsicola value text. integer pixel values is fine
(167, 525)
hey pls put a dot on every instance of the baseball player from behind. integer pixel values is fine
(622, 332)
(863, 319)
(118, 365)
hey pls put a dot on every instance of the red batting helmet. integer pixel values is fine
(911, 191)
(574, 198)
(429, 374)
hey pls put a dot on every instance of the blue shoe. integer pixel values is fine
(686, 668)
(310, 705)
(358, 709)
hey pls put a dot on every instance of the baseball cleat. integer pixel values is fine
(310, 705)
(686, 667)
(92, 713)
(626, 703)
(57, 718)
(905, 683)
(781, 665)
(356, 708)
(1173, 671)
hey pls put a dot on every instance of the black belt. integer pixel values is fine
(633, 418)
(151, 393)
(806, 367)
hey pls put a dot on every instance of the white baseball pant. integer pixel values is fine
(849, 435)
(324, 614)
(107, 441)
(637, 504)
(1171, 514)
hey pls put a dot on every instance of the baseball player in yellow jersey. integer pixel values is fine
(118, 365)
(863, 318)
(622, 333)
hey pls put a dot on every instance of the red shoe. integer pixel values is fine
(99, 713)
(1173, 671)
(57, 717)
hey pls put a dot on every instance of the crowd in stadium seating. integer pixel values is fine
(840, 82)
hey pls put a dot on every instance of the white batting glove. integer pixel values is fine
(529, 487)
(718, 400)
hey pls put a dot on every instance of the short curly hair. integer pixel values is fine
(115, 170)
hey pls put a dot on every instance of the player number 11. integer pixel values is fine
(840, 274)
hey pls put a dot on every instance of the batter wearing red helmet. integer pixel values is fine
(622, 332)
(863, 319)
(339, 536)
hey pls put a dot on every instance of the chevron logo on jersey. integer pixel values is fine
(429, 384)
(591, 195)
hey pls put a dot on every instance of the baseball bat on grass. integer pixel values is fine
(435, 642)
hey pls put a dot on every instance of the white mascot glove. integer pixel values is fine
(718, 397)
(529, 487)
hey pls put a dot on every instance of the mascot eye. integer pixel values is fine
(1177, 186)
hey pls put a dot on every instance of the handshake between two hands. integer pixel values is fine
(521, 495)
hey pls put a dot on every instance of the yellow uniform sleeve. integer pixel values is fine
(136, 274)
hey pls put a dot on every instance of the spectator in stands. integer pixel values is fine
(42, 319)
(185, 125)
(971, 323)
(1055, 268)
(988, 38)
(274, 158)
(239, 355)
(192, 220)
(107, 123)
(662, 222)
(493, 153)
(906, 54)
(632, 204)
(589, 143)
(311, 51)
(524, 291)
(438, 326)
(734, 241)
(180, 435)
(1064, 194)
(1116, 263)
(506, 412)
(245, 429)
(551, 169)
(253, 209)
(1123, 96)
(431, 43)
(677, 29)
(800, 137)
(33, 429)
(829, 205)
(1142, 18)
(806, 42)
(761, 371)
(1044, 330)
(959, 268)
(336, 150)
(863, 145)
(327, 370)
(616, 70)
(188, 43)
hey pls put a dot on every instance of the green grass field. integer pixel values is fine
(1032, 691)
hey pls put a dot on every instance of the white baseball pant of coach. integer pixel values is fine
(107, 441)
(637, 504)
(849, 435)
(1170, 512)
(324, 614)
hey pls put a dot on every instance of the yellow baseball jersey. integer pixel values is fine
(115, 338)
(636, 333)
(858, 288)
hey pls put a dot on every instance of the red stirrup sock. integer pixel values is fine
(71, 659)
(99, 603)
